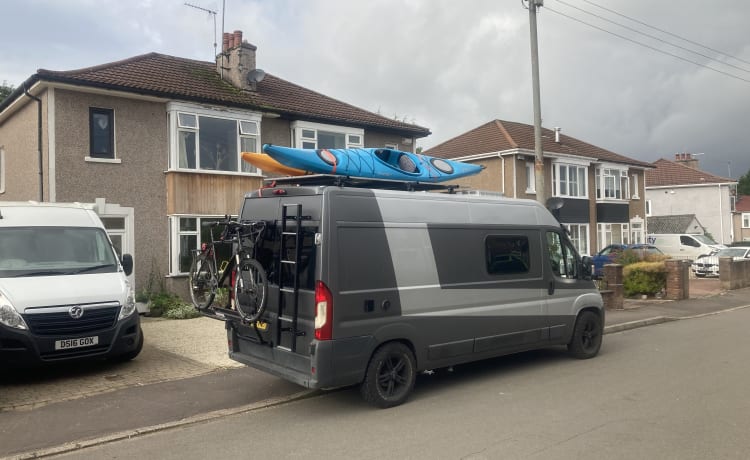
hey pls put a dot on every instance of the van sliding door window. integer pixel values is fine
(507, 255)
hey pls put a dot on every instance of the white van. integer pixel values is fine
(370, 286)
(63, 292)
(684, 245)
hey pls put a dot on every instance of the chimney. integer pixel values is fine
(236, 61)
(557, 134)
(686, 159)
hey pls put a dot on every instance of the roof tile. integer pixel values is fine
(180, 78)
(499, 135)
(670, 173)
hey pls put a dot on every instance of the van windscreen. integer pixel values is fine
(50, 251)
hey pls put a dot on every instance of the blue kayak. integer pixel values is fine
(376, 163)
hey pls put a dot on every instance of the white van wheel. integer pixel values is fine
(390, 375)
(587, 336)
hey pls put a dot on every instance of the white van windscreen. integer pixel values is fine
(50, 251)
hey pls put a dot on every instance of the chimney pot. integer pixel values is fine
(225, 42)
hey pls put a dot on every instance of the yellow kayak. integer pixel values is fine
(266, 163)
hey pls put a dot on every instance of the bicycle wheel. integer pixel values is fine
(202, 282)
(250, 289)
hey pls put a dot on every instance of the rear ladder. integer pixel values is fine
(287, 320)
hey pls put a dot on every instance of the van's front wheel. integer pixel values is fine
(390, 375)
(587, 336)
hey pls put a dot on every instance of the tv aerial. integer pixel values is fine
(212, 13)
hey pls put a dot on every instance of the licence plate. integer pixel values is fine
(76, 343)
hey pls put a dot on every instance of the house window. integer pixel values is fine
(613, 234)
(746, 220)
(189, 233)
(206, 140)
(320, 136)
(637, 235)
(634, 185)
(648, 207)
(530, 178)
(507, 255)
(579, 236)
(612, 184)
(569, 180)
(2, 170)
(391, 145)
(101, 133)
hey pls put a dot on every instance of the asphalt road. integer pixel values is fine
(672, 391)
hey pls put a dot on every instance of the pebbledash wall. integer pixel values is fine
(135, 179)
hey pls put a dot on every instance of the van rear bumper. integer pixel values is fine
(315, 369)
(23, 348)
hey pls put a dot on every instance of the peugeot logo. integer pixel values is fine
(75, 312)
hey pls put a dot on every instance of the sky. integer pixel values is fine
(450, 65)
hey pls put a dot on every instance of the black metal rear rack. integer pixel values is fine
(359, 182)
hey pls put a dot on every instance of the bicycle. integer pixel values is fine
(248, 278)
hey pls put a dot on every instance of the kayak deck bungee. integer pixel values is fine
(380, 163)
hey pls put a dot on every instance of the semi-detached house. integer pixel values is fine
(154, 142)
(602, 191)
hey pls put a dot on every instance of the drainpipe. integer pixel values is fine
(38, 141)
(721, 216)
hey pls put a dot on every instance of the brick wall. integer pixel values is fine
(613, 295)
(678, 279)
(734, 274)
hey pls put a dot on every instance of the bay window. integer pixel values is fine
(613, 234)
(579, 236)
(211, 141)
(569, 180)
(612, 184)
(188, 233)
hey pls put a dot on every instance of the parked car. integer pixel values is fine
(708, 265)
(611, 252)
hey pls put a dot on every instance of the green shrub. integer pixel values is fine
(644, 278)
(627, 257)
(169, 305)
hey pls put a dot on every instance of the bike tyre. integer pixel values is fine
(250, 289)
(202, 282)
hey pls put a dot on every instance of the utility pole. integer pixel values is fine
(541, 194)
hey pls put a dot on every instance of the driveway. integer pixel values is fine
(173, 350)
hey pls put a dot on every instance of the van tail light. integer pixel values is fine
(323, 312)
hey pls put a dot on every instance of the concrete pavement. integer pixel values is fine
(184, 376)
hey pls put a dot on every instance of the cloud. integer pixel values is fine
(446, 65)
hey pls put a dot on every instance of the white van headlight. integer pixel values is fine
(9, 316)
(129, 306)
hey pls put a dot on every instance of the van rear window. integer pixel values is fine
(507, 254)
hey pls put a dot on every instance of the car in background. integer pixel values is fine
(609, 254)
(708, 265)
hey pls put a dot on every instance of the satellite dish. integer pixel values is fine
(555, 203)
(256, 76)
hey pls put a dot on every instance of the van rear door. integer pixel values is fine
(290, 255)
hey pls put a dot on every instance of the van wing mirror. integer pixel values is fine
(587, 267)
(127, 264)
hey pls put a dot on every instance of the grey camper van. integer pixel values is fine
(387, 283)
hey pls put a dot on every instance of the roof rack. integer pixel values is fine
(358, 182)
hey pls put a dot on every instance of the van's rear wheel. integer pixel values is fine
(390, 375)
(587, 336)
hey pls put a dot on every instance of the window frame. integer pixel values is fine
(634, 188)
(580, 243)
(177, 109)
(746, 220)
(648, 208)
(530, 178)
(301, 140)
(620, 183)
(581, 171)
(110, 113)
(174, 238)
